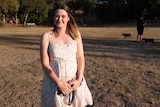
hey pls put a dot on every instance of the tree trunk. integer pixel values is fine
(26, 17)
(4, 19)
(15, 19)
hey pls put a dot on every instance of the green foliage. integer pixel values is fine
(28, 5)
(4, 6)
(13, 6)
(21, 18)
(38, 18)
(33, 9)
(39, 11)
(86, 5)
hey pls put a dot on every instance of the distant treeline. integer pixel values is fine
(85, 11)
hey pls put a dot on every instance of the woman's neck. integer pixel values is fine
(60, 31)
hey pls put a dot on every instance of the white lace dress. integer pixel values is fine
(63, 61)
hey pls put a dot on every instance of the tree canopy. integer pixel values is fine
(40, 11)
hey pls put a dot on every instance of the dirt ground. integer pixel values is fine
(120, 72)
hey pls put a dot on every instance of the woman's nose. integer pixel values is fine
(59, 18)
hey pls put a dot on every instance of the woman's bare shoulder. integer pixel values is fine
(79, 35)
(47, 33)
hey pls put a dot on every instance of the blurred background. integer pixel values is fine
(86, 12)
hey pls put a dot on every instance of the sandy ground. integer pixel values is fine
(119, 72)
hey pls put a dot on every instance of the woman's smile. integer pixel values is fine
(61, 18)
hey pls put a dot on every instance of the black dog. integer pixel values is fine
(126, 35)
(148, 40)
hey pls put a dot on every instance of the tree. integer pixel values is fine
(115, 8)
(148, 8)
(10, 8)
(40, 13)
(4, 10)
(112, 10)
(27, 6)
(36, 7)
(83, 10)
(13, 10)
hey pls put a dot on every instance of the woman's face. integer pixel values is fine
(61, 18)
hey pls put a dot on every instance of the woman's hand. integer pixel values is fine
(75, 84)
(64, 87)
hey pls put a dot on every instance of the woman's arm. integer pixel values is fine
(45, 57)
(80, 59)
(80, 62)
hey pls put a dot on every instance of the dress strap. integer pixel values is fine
(49, 37)
(52, 34)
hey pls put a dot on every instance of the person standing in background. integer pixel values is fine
(140, 28)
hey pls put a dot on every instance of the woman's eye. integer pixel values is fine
(55, 16)
(58, 16)
(63, 16)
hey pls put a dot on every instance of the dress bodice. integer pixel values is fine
(62, 51)
(63, 59)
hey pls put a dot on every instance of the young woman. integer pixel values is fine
(62, 58)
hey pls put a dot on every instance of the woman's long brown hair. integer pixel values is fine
(71, 25)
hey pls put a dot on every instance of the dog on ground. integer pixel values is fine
(126, 35)
(148, 40)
